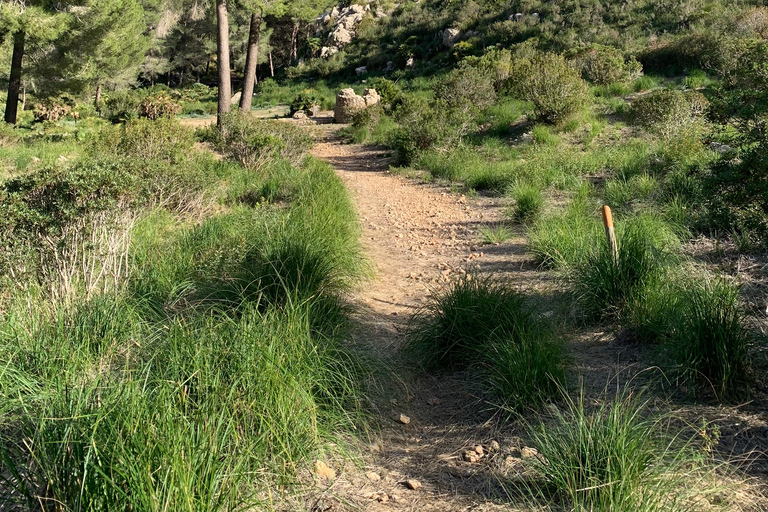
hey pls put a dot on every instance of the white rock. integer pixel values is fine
(341, 36)
(361, 70)
(410, 62)
(328, 51)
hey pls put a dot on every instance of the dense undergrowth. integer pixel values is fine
(178, 345)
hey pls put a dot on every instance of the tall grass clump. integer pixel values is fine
(607, 287)
(709, 339)
(528, 202)
(486, 325)
(618, 457)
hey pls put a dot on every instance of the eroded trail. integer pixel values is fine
(418, 237)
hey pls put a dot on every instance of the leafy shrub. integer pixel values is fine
(120, 106)
(157, 106)
(305, 100)
(668, 111)
(528, 202)
(163, 140)
(390, 92)
(709, 338)
(368, 118)
(254, 142)
(604, 65)
(555, 89)
(54, 109)
(466, 89)
(421, 128)
(485, 325)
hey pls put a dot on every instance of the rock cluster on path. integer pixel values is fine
(348, 103)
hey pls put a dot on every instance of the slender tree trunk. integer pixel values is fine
(225, 80)
(23, 97)
(294, 42)
(271, 66)
(14, 82)
(97, 101)
(251, 61)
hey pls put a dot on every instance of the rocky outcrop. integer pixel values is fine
(340, 24)
(451, 36)
(348, 103)
(340, 37)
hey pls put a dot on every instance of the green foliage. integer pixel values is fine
(495, 234)
(390, 92)
(120, 106)
(604, 65)
(528, 202)
(254, 143)
(709, 338)
(553, 87)
(54, 109)
(305, 100)
(667, 111)
(159, 106)
(617, 457)
(485, 325)
(607, 287)
(162, 140)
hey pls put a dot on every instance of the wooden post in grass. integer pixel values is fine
(610, 233)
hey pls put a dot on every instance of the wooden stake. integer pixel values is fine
(610, 233)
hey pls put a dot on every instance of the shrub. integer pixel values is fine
(709, 339)
(604, 65)
(484, 324)
(466, 89)
(157, 106)
(528, 202)
(421, 128)
(53, 109)
(254, 142)
(120, 106)
(305, 100)
(163, 140)
(367, 118)
(667, 111)
(390, 92)
(553, 87)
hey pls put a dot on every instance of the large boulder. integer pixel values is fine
(236, 98)
(347, 105)
(341, 36)
(451, 36)
(326, 52)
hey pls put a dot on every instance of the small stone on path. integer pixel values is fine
(529, 453)
(403, 419)
(414, 485)
(373, 476)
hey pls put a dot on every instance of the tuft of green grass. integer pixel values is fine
(528, 202)
(495, 234)
(607, 287)
(542, 135)
(485, 325)
(709, 339)
(623, 194)
(618, 457)
(645, 83)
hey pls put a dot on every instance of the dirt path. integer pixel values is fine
(418, 237)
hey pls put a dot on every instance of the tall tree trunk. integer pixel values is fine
(23, 97)
(294, 41)
(251, 61)
(97, 100)
(271, 66)
(225, 80)
(14, 82)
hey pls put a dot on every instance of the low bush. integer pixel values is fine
(709, 338)
(54, 109)
(391, 94)
(120, 106)
(604, 65)
(484, 324)
(159, 106)
(254, 142)
(163, 140)
(305, 101)
(555, 89)
(668, 112)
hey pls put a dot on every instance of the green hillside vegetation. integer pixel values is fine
(174, 318)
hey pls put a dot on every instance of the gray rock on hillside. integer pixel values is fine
(348, 103)
(451, 36)
(341, 36)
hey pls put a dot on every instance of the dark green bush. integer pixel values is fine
(120, 106)
(305, 100)
(164, 140)
(604, 65)
(390, 92)
(555, 89)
